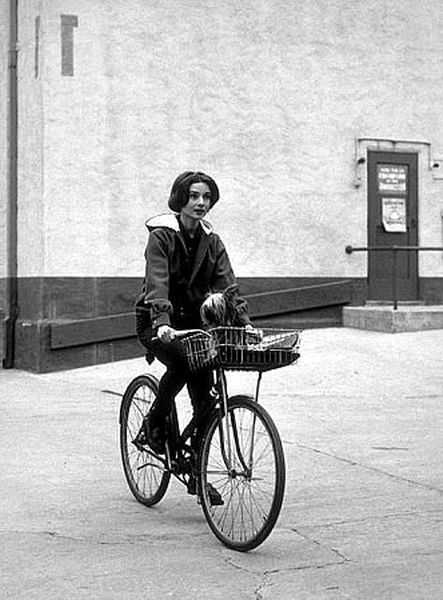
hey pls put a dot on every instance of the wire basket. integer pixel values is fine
(201, 351)
(240, 349)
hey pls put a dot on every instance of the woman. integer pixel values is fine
(185, 261)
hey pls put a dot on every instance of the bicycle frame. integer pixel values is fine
(228, 432)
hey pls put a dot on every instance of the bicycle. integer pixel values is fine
(240, 453)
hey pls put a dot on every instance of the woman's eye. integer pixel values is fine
(195, 196)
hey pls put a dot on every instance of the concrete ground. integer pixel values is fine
(361, 417)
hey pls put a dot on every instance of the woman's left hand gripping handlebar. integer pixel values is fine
(166, 333)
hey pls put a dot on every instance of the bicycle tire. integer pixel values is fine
(252, 500)
(145, 473)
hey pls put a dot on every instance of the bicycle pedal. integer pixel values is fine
(191, 486)
(215, 498)
(138, 445)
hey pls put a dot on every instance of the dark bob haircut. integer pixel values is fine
(180, 189)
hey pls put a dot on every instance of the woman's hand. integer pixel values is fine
(166, 333)
(253, 335)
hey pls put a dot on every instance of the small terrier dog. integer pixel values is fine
(219, 309)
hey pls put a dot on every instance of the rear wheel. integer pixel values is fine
(248, 472)
(145, 472)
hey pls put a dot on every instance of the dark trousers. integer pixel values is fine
(177, 374)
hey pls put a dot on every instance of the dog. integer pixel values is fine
(219, 309)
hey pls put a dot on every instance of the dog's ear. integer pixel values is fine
(230, 292)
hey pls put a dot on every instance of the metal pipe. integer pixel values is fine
(394, 250)
(394, 279)
(351, 249)
(12, 176)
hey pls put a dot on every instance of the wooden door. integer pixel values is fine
(392, 221)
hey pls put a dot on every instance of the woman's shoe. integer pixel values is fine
(155, 434)
(151, 434)
(192, 485)
(214, 496)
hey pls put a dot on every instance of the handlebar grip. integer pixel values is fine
(182, 333)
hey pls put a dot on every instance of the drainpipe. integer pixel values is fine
(11, 212)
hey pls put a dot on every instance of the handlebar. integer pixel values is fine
(183, 333)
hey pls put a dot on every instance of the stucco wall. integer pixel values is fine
(268, 97)
(4, 37)
(31, 242)
(4, 47)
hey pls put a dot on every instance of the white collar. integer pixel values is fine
(170, 221)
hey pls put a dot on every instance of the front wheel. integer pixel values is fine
(145, 473)
(242, 458)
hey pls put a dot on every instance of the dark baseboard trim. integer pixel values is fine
(92, 329)
(78, 332)
(301, 298)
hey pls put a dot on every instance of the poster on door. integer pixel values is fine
(392, 178)
(394, 214)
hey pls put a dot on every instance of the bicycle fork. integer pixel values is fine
(225, 438)
(230, 444)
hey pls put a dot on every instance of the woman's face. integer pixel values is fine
(199, 201)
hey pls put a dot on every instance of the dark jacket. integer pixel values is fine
(173, 289)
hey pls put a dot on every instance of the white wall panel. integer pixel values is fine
(268, 97)
(4, 37)
(31, 139)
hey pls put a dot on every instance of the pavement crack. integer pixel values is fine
(429, 553)
(231, 563)
(82, 539)
(341, 556)
(354, 463)
(370, 518)
(258, 592)
(45, 532)
(57, 535)
(318, 566)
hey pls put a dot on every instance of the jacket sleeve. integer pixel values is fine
(224, 278)
(157, 279)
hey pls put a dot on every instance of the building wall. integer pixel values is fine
(117, 98)
(32, 222)
(4, 37)
(268, 97)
